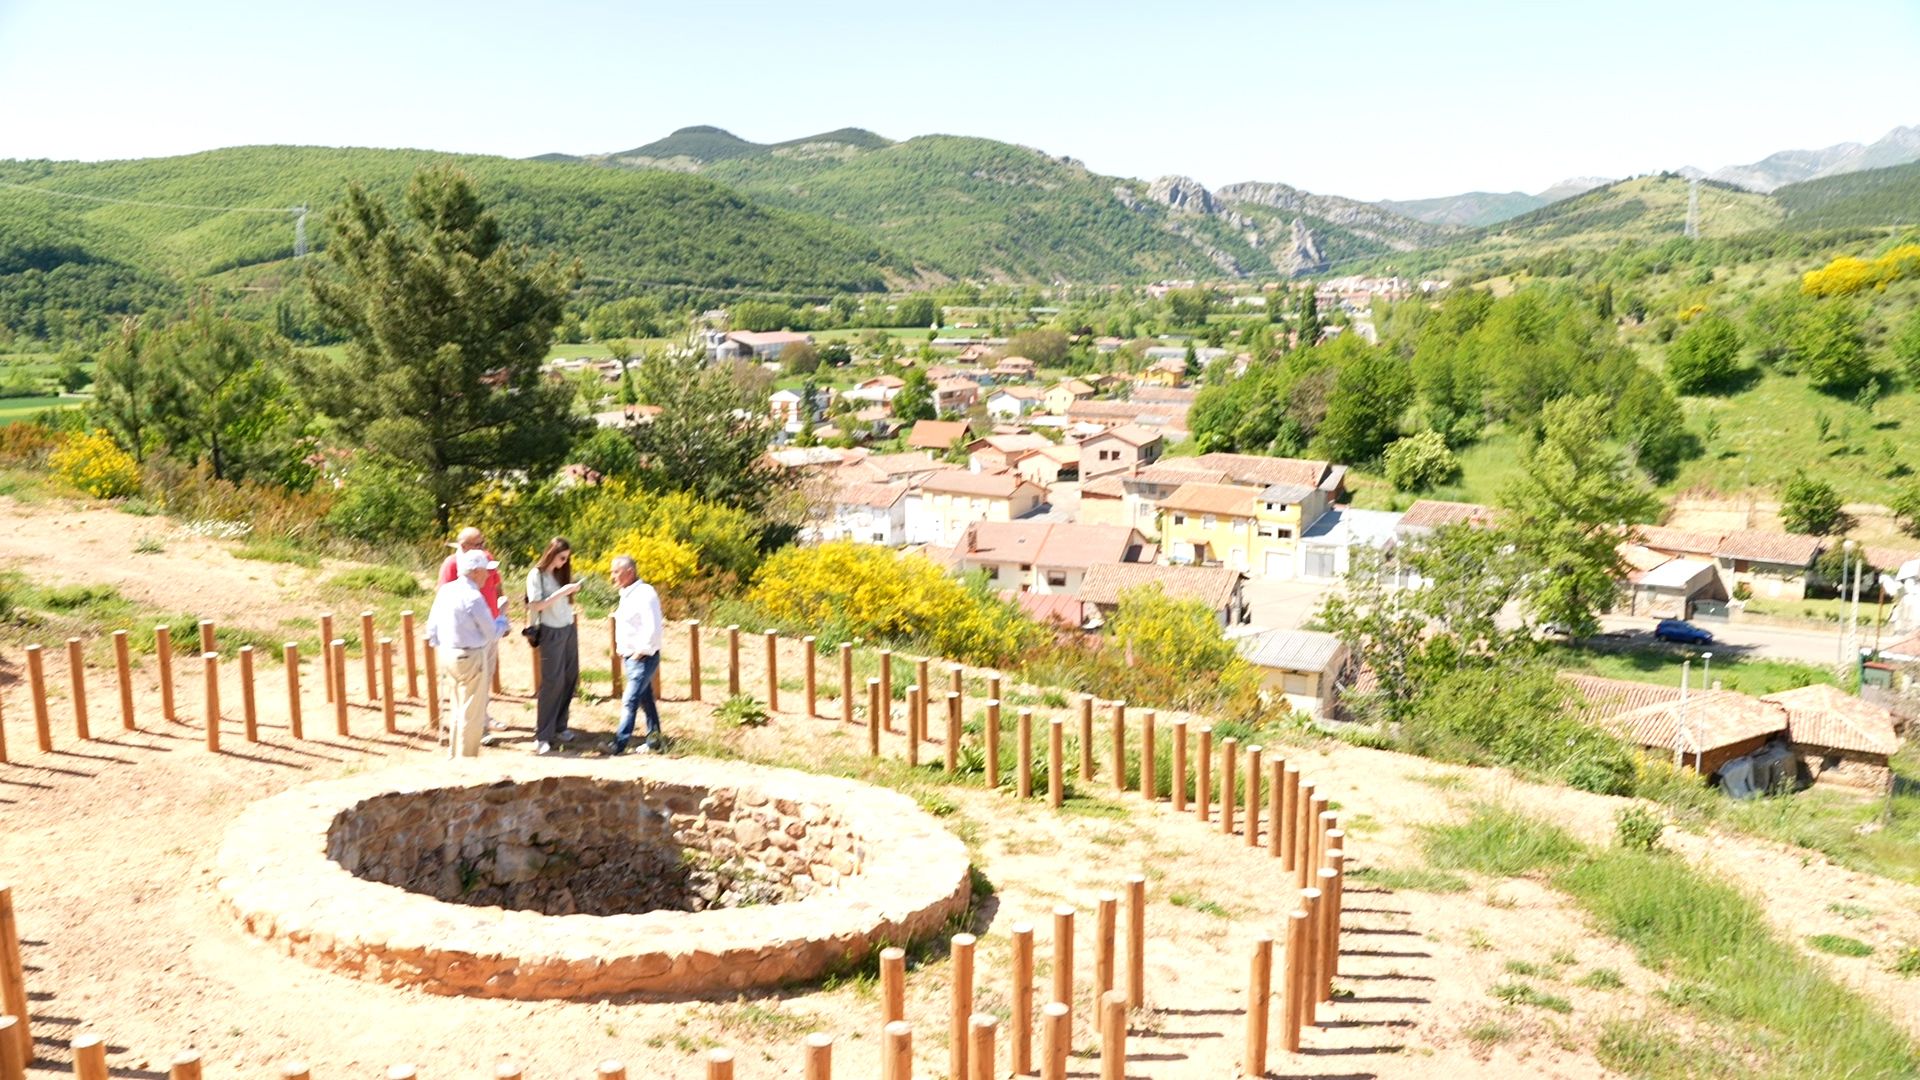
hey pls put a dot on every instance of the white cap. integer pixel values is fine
(475, 560)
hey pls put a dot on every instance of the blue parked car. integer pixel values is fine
(1682, 632)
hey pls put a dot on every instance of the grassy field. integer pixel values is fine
(1662, 666)
(26, 408)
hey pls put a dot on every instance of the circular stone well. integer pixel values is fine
(569, 878)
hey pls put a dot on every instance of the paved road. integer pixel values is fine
(1808, 646)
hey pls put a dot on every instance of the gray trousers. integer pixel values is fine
(559, 679)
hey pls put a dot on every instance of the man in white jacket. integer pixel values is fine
(638, 631)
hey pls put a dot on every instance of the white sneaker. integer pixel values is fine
(543, 748)
(496, 725)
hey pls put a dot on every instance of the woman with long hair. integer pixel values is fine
(550, 589)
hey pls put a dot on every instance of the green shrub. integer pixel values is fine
(1840, 945)
(1906, 964)
(94, 464)
(1638, 828)
(1501, 841)
(384, 503)
(742, 710)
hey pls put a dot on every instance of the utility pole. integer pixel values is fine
(1693, 210)
(1840, 646)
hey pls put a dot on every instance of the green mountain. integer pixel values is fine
(691, 148)
(1884, 197)
(1468, 210)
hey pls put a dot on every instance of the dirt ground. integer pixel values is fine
(108, 847)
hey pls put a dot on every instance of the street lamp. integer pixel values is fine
(1706, 671)
(1840, 645)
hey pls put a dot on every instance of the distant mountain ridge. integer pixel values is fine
(1478, 208)
(1896, 147)
(690, 148)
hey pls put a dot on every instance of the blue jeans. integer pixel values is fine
(639, 672)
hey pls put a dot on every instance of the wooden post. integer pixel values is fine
(1253, 796)
(337, 648)
(326, 653)
(1317, 826)
(1180, 766)
(1229, 758)
(123, 669)
(1149, 785)
(960, 1003)
(1113, 1036)
(1310, 903)
(1106, 921)
(1086, 738)
(37, 678)
(89, 1057)
(694, 678)
(617, 671)
(1020, 1031)
(413, 657)
(1326, 948)
(993, 743)
(819, 1056)
(980, 1055)
(957, 679)
(813, 686)
(386, 684)
(773, 670)
(610, 1069)
(366, 655)
(290, 659)
(433, 685)
(917, 717)
(207, 643)
(77, 679)
(1337, 864)
(733, 660)
(873, 717)
(719, 1064)
(163, 652)
(913, 732)
(1063, 958)
(846, 682)
(249, 715)
(886, 686)
(897, 1058)
(1290, 987)
(1056, 753)
(1276, 818)
(1302, 835)
(1136, 941)
(993, 684)
(1259, 985)
(953, 734)
(893, 985)
(1203, 783)
(1118, 748)
(210, 665)
(185, 1066)
(502, 1070)
(11, 1067)
(1290, 813)
(1023, 746)
(1056, 1021)
(13, 980)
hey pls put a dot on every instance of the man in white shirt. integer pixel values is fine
(461, 626)
(638, 631)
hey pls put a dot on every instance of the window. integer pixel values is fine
(1026, 568)
(1179, 519)
(1057, 578)
(1286, 532)
(879, 538)
(1268, 531)
(1206, 521)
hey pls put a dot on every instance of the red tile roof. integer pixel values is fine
(981, 485)
(1707, 720)
(1131, 434)
(1105, 487)
(1434, 514)
(868, 494)
(1610, 697)
(1784, 549)
(1826, 716)
(1226, 500)
(1053, 545)
(1055, 608)
(1683, 541)
(1212, 585)
(937, 434)
(1261, 471)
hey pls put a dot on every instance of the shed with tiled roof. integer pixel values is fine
(1839, 738)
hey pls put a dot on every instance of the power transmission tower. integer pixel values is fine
(1693, 209)
(299, 230)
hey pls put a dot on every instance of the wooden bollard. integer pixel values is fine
(1259, 987)
(13, 981)
(337, 648)
(1136, 941)
(993, 743)
(1253, 796)
(959, 1003)
(208, 643)
(957, 682)
(819, 1056)
(1056, 754)
(210, 666)
(610, 1069)
(77, 680)
(1149, 782)
(386, 684)
(874, 706)
(773, 670)
(1113, 1035)
(1290, 813)
(1180, 766)
(123, 670)
(953, 733)
(433, 685)
(326, 653)
(502, 1070)
(1310, 903)
(616, 671)
(1229, 757)
(89, 1057)
(1203, 783)
(1020, 1029)
(412, 656)
(1063, 958)
(1319, 820)
(1023, 743)
(733, 660)
(897, 1055)
(1106, 916)
(1290, 1007)
(993, 685)
(290, 659)
(1326, 947)
(893, 985)
(1276, 816)
(249, 714)
(163, 653)
(366, 655)
(886, 685)
(37, 682)
(1086, 738)
(694, 676)
(1337, 863)
(1056, 1033)
(11, 1067)
(913, 733)
(846, 682)
(812, 684)
(1118, 748)
(917, 718)
(719, 1064)
(1303, 834)
(186, 1066)
(980, 1055)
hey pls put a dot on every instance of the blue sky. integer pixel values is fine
(1369, 99)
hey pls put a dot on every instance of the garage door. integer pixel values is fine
(1320, 563)
(1278, 565)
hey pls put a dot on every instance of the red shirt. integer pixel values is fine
(490, 589)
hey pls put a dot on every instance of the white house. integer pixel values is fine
(864, 512)
(1328, 544)
(1013, 402)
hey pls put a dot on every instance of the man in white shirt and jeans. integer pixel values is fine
(637, 634)
(461, 626)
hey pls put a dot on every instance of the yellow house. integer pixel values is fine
(1061, 396)
(951, 501)
(1253, 530)
(1281, 514)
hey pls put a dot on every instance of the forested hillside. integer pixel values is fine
(1875, 197)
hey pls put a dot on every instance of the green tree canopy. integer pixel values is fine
(1811, 506)
(1706, 355)
(710, 437)
(915, 399)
